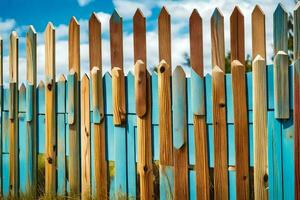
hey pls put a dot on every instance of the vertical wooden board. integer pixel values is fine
(180, 148)
(210, 142)
(192, 185)
(23, 162)
(61, 153)
(232, 184)
(95, 51)
(61, 98)
(229, 99)
(139, 36)
(291, 87)
(40, 94)
(93, 171)
(280, 29)
(274, 157)
(281, 86)
(155, 136)
(190, 115)
(270, 85)
(166, 182)
(154, 104)
(130, 93)
(231, 146)
(288, 159)
(260, 127)
(191, 144)
(251, 147)
(5, 132)
(41, 133)
(74, 130)
(5, 153)
(240, 129)
(208, 99)
(50, 115)
(110, 135)
(1, 63)
(120, 161)
(258, 32)
(220, 134)
(85, 138)
(116, 40)
(131, 161)
(5, 99)
(237, 36)
(164, 37)
(107, 94)
(249, 91)
(5, 170)
(217, 39)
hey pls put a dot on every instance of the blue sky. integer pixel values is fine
(18, 14)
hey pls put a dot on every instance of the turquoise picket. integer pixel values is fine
(155, 112)
(229, 99)
(230, 144)
(192, 184)
(5, 144)
(208, 99)
(210, 138)
(270, 88)
(232, 184)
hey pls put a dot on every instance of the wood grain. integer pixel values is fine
(164, 37)
(200, 137)
(280, 29)
(217, 39)
(240, 129)
(31, 126)
(97, 92)
(220, 134)
(237, 36)
(50, 115)
(118, 97)
(196, 42)
(164, 104)
(258, 32)
(74, 138)
(260, 131)
(139, 37)
(13, 122)
(100, 164)
(85, 138)
(181, 186)
(296, 80)
(95, 51)
(281, 86)
(140, 72)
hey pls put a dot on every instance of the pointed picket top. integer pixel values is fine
(139, 36)
(236, 64)
(237, 35)
(280, 29)
(74, 22)
(50, 52)
(217, 69)
(163, 67)
(258, 32)
(95, 69)
(13, 57)
(258, 58)
(31, 31)
(196, 42)
(107, 75)
(85, 79)
(164, 13)
(62, 78)
(74, 45)
(217, 39)
(95, 51)
(297, 31)
(31, 54)
(164, 36)
(49, 26)
(22, 88)
(178, 72)
(115, 17)
(41, 84)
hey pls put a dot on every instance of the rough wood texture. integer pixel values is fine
(217, 39)
(164, 103)
(260, 131)
(13, 122)
(180, 134)
(258, 32)
(119, 106)
(220, 134)
(100, 164)
(116, 55)
(280, 29)
(74, 138)
(31, 55)
(240, 129)
(297, 99)
(200, 137)
(196, 42)
(140, 72)
(237, 36)
(95, 51)
(281, 86)
(164, 37)
(139, 37)
(50, 115)
(85, 138)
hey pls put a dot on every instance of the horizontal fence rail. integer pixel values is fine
(155, 135)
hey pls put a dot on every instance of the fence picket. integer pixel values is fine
(258, 32)
(74, 133)
(50, 116)
(198, 106)
(240, 129)
(296, 80)
(280, 29)
(1, 114)
(13, 115)
(260, 128)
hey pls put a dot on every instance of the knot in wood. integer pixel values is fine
(49, 86)
(49, 159)
(266, 178)
(162, 69)
(145, 168)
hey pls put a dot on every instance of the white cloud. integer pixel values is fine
(127, 8)
(84, 2)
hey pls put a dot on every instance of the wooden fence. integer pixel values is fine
(221, 136)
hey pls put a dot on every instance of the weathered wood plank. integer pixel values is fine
(198, 106)
(237, 36)
(240, 129)
(217, 39)
(260, 131)
(50, 115)
(220, 134)
(13, 110)
(74, 138)
(281, 86)
(280, 29)
(258, 32)
(180, 134)
(85, 138)
(164, 37)
(100, 163)
(95, 51)
(140, 72)
(296, 80)
(139, 37)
